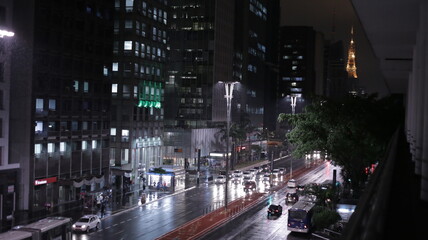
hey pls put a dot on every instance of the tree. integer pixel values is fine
(353, 131)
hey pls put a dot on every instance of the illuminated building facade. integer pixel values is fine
(137, 89)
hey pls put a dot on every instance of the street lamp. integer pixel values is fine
(229, 95)
(5, 33)
(293, 99)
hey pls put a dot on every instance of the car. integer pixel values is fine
(86, 223)
(253, 172)
(220, 179)
(291, 198)
(281, 170)
(266, 178)
(274, 210)
(258, 169)
(236, 180)
(250, 186)
(291, 183)
(237, 173)
(300, 188)
(247, 174)
(247, 178)
(275, 172)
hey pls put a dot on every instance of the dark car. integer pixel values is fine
(274, 210)
(291, 198)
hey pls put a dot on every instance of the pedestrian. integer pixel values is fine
(103, 208)
(144, 187)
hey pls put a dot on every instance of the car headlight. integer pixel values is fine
(84, 226)
(74, 225)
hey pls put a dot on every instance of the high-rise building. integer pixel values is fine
(213, 42)
(300, 46)
(8, 171)
(201, 56)
(137, 89)
(335, 72)
(60, 111)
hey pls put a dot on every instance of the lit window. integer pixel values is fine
(113, 131)
(84, 145)
(127, 45)
(76, 86)
(51, 147)
(37, 148)
(62, 146)
(285, 57)
(39, 126)
(85, 87)
(125, 133)
(114, 88)
(52, 104)
(294, 68)
(105, 71)
(293, 84)
(39, 104)
(94, 144)
(115, 67)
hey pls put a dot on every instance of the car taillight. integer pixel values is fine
(276, 210)
(304, 226)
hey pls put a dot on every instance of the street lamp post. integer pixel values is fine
(293, 111)
(229, 95)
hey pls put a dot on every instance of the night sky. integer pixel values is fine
(319, 14)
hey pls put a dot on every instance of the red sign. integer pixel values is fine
(45, 181)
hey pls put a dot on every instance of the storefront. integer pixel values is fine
(172, 180)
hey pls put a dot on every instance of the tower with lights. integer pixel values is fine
(351, 66)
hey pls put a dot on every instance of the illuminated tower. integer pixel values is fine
(351, 66)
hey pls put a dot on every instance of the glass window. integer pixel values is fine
(39, 104)
(39, 126)
(105, 71)
(127, 45)
(125, 133)
(51, 147)
(62, 146)
(114, 88)
(85, 87)
(76, 86)
(37, 148)
(115, 67)
(84, 145)
(52, 104)
(113, 131)
(94, 144)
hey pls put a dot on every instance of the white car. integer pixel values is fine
(291, 183)
(281, 170)
(86, 223)
(220, 179)
(275, 172)
(247, 174)
(253, 171)
(237, 173)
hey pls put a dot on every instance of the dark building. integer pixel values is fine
(213, 42)
(59, 115)
(8, 171)
(201, 56)
(300, 51)
(137, 89)
(255, 46)
(336, 75)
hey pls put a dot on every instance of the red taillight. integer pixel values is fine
(276, 210)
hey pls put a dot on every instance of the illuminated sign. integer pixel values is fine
(43, 181)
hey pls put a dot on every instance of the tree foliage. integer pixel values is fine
(353, 131)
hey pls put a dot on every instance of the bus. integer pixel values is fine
(50, 228)
(300, 216)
